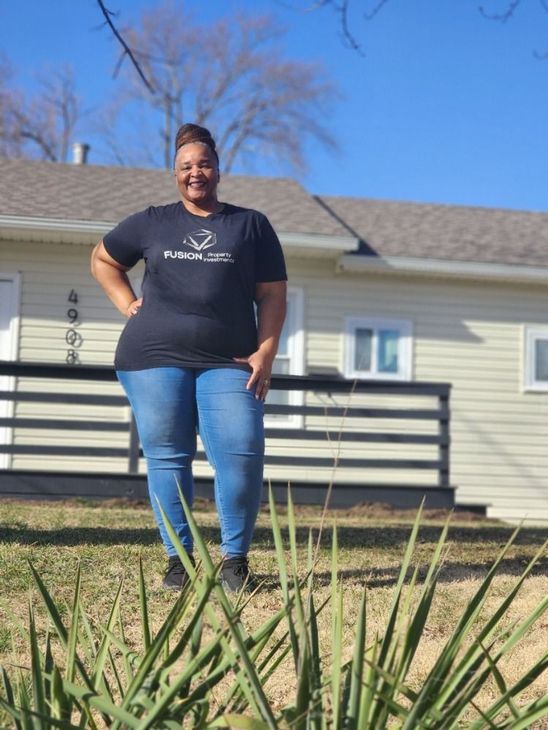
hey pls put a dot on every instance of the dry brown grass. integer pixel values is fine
(108, 539)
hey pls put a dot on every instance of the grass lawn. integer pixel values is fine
(107, 540)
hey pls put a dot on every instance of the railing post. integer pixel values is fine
(444, 433)
(133, 451)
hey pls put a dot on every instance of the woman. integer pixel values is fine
(193, 357)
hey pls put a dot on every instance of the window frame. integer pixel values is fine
(8, 383)
(405, 347)
(296, 354)
(531, 335)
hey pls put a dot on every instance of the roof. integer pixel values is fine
(99, 193)
(94, 193)
(456, 233)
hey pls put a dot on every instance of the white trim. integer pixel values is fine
(530, 335)
(14, 226)
(297, 359)
(316, 241)
(405, 347)
(53, 224)
(440, 267)
(13, 349)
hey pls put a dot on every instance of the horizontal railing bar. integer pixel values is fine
(352, 436)
(356, 463)
(340, 385)
(63, 424)
(323, 461)
(67, 398)
(30, 449)
(434, 414)
(46, 370)
(278, 382)
(34, 450)
(272, 433)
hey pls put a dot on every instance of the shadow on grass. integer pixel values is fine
(375, 539)
(387, 577)
(389, 536)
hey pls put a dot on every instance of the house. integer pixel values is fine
(378, 290)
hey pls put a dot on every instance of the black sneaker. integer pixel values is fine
(176, 577)
(236, 575)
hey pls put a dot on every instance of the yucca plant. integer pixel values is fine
(372, 691)
(203, 649)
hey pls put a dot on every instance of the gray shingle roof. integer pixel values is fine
(386, 228)
(97, 193)
(481, 235)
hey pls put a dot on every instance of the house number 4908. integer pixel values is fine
(73, 338)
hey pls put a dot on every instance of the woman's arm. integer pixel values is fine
(113, 278)
(270, 298)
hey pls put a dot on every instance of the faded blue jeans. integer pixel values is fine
(171, 405)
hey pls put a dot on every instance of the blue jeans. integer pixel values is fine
(171, 405)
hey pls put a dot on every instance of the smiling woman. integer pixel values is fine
(193, 351)
(197, 170)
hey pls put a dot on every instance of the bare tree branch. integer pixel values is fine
(508, 14)
(43, 124)
(342, 9)
(378, 7)
(502, 17)
(127, 50)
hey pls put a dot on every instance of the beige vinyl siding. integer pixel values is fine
(465, 333)
(468, 334)
(328, 299)
(48, 273)
(70, 437)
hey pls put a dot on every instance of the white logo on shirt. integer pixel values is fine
(201, 239)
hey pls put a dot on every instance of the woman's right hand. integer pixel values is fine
(113, 278)
(134, 307)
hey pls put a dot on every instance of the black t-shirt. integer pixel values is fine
(199, 284)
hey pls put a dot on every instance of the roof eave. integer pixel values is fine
(52, 229)
(317, 244)
(81, 231)
(441, 268)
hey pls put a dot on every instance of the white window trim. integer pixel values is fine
(8, 383)
(297, 359)
(532, 333)
(351, 324)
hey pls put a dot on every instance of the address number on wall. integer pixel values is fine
(73, 338)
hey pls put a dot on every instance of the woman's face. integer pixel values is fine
(197, 175)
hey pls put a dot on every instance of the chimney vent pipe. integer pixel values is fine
(80, 153)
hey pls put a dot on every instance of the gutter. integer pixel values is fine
(312, 242)
(19, 224)
(79, 231)
(441, 268)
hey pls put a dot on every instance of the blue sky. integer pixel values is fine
(446, 106)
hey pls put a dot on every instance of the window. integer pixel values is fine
(536, 358)
(289, 360)
(377, 349)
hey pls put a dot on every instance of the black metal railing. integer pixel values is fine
(438, 415)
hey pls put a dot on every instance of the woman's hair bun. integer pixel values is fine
(193, 133)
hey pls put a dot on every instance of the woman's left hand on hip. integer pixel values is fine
(261, 367)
